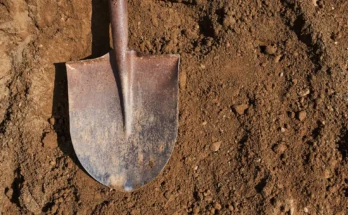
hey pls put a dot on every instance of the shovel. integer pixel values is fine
(123, 110)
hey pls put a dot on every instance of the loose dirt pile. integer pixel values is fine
(263, 106)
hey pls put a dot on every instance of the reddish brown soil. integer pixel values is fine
(263, 106)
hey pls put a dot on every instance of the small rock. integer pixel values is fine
(217, 206)
(196, 210)
(330, 108)
(327, 174)
(304, 92)
(50, 140)
(305, 210)
(240, 109)
(270, 50)
(314, 2)
(277, 58)
(52, 120)
(302, 115)
(204, 123)
(231, 208)
(215, 146)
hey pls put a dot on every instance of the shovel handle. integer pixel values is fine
(119, 26)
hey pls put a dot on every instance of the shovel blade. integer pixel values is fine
(124, 161)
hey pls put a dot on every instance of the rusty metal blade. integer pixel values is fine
(110, 155)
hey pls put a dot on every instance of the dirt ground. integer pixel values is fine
(263, 106)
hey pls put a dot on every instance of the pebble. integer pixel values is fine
(240, 109)
(277, 58)
(302, 115)
(330, 108)
(52, 120)
(217, 206)
(327, 174)
(270, 50)
(215, 146)
(304, 92)
(231, 208)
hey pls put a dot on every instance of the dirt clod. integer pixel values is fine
(263, 115)
(183, 80)
(196, 210)
(50, 140)
(240, 109)
(281, 148)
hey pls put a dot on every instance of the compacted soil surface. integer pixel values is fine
(263, 116)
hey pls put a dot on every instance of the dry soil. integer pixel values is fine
(263, 106)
